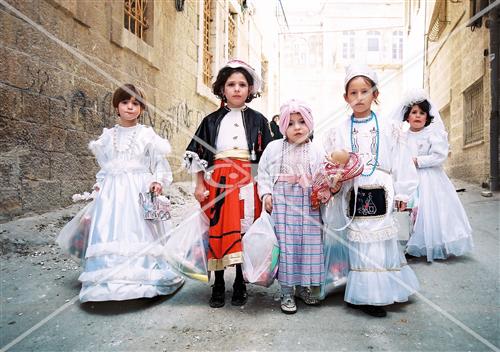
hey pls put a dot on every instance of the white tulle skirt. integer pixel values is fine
(379, 274)
(125, 254)
(441, 226)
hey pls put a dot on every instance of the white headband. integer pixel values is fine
(257, 81)
(355, 70)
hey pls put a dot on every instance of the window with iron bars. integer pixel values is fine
(264, 68)
(231, 36)
(207, 55)
(473, 110)
(135, 17)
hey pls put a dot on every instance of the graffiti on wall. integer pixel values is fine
(82, 105)
(176, 119)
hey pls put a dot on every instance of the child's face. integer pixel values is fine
(236, 90)
(129, 109)
(297, 131)
(360, 96)
(417, 118)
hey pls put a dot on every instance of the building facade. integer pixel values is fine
(320, 39)
(62, 59)
(457, 76)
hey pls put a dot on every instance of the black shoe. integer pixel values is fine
(240, 295)
(218, 298)
(408, 256)
(374, 311)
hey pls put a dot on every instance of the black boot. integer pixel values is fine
(240, 295)
(218, 298)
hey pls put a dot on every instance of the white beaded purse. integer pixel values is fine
(155, 207)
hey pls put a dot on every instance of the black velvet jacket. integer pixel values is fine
(256, 130)
(275, 129)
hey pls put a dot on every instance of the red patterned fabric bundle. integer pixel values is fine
(324, 179)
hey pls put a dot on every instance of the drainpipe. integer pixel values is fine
(494, 26)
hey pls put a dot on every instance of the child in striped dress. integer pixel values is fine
(284, 184)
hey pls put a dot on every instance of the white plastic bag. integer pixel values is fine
(74, 236)
(403, 222)
(336, 263)
(187, 247)
(260, 252)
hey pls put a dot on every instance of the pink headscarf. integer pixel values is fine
(295, 106)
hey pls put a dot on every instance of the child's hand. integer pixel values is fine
(201, 193)
(268, 203)
(156, 188)
(400, 205)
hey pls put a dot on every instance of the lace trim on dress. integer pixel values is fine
(126, 250)
(144, 276)
(373, 236)
(193, 163)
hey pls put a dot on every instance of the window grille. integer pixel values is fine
(264, 67)
(207, 55)
(231, 37)
(135, 19)
(473, 110)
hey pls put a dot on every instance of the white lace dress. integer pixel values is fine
(441, 226)
(124, 257)
(378, 272)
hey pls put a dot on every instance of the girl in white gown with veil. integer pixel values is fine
(124, 255)
(441, 226)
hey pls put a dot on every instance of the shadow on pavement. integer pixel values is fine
(122, 307)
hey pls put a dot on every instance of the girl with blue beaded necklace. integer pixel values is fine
(378, 274)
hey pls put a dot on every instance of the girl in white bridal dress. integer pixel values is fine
(123, 255)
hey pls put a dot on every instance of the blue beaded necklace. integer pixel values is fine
(353, 121)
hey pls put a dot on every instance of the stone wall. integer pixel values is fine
(453, 64)
(60, 62)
